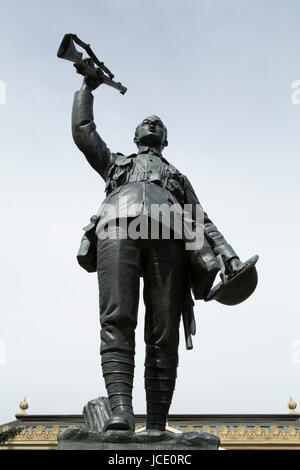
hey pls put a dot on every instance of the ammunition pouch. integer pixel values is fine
(87, 253)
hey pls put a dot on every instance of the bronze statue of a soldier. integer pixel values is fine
(169, 270)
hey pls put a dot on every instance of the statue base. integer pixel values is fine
(150, 440)
(96, 412)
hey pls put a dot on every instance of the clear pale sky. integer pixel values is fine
(219, 74)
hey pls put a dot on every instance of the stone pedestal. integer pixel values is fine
(82, 439)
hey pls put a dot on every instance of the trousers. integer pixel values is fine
(120, 262)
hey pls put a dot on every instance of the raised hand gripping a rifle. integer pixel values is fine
(90, 67)
(134, 185)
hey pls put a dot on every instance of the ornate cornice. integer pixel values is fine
(258, 434)
(37, 434)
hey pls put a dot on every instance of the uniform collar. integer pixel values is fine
(146, 149)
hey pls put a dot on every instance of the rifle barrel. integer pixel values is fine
(122, 89)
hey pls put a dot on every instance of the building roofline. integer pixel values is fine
(29, 419)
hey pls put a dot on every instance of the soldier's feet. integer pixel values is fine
(123, 421)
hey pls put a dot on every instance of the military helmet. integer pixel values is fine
(235, 287)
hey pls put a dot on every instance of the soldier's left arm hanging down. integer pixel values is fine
(212, 234)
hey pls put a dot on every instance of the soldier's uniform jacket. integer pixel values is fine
(129, 193)
(135, 182)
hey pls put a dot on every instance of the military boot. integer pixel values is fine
(118, 372)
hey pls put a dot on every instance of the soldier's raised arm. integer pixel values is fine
(84, 131)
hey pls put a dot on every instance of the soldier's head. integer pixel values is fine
(151, 132)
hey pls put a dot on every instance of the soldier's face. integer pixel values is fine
(151, 131)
